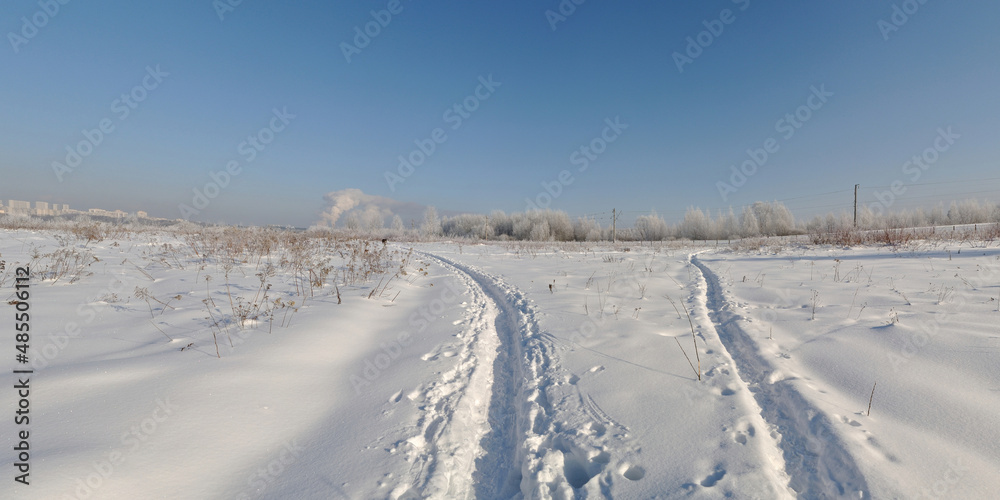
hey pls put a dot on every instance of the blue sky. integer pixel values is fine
(343, 124)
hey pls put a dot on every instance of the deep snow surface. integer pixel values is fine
(515, 371)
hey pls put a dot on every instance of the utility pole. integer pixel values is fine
(856, 205)
(614, 227)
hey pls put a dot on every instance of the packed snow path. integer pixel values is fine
(816, 462)
(509, 410)
(454, 409)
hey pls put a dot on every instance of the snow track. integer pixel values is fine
(815, 460)
(508, 421)
(454, 409)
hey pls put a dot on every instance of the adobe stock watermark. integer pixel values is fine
(782, 301)
(224, 7)
(615, 291)
(914, 168)
(951, 478)
(30, 26)
(915, 341)
(122, 108)
(714, 28)
(58, 341)
(248, 149)
(419, 321)
(131, 439)
(566, 8)
(265, 475)
(900, 16)
(787, 127)
(456, 115)
(583, 156)
(364, 35)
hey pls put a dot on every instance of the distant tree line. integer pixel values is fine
(758, 220)
(762, 219)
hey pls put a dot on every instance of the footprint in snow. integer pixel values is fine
(433, 356)
(874, 443)
(632, 472)
(743, 432)
(715, 370)
(848, 420)
(725, 391)
(593, 429)
(713, 478)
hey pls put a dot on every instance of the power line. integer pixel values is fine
(904, 197)
(937, 183)
(846, 204)
(815, 195)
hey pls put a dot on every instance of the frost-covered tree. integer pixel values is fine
(521, 226)
(969, 212)
(773, 218)
(728, 227)
(782, 220)
(695, 224)
(938, 217)
(866, 218)
(502, 225)
(586, 229)
(560, 226)
(352, 222)
(540, 231)
(749, 226)
(373, 220)
(397, 225)
(465, 226)
(651, 227)
(432, 224)
(543, 225)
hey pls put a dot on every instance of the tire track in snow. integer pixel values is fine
(546, 439)
(816, 462)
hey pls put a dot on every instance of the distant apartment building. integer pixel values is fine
(59, 209)
(107, 213)
(17, 206)
(42, 208)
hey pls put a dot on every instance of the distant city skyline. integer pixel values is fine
(44, 208)
(283, 113)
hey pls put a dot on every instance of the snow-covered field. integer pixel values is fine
(512, 370)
